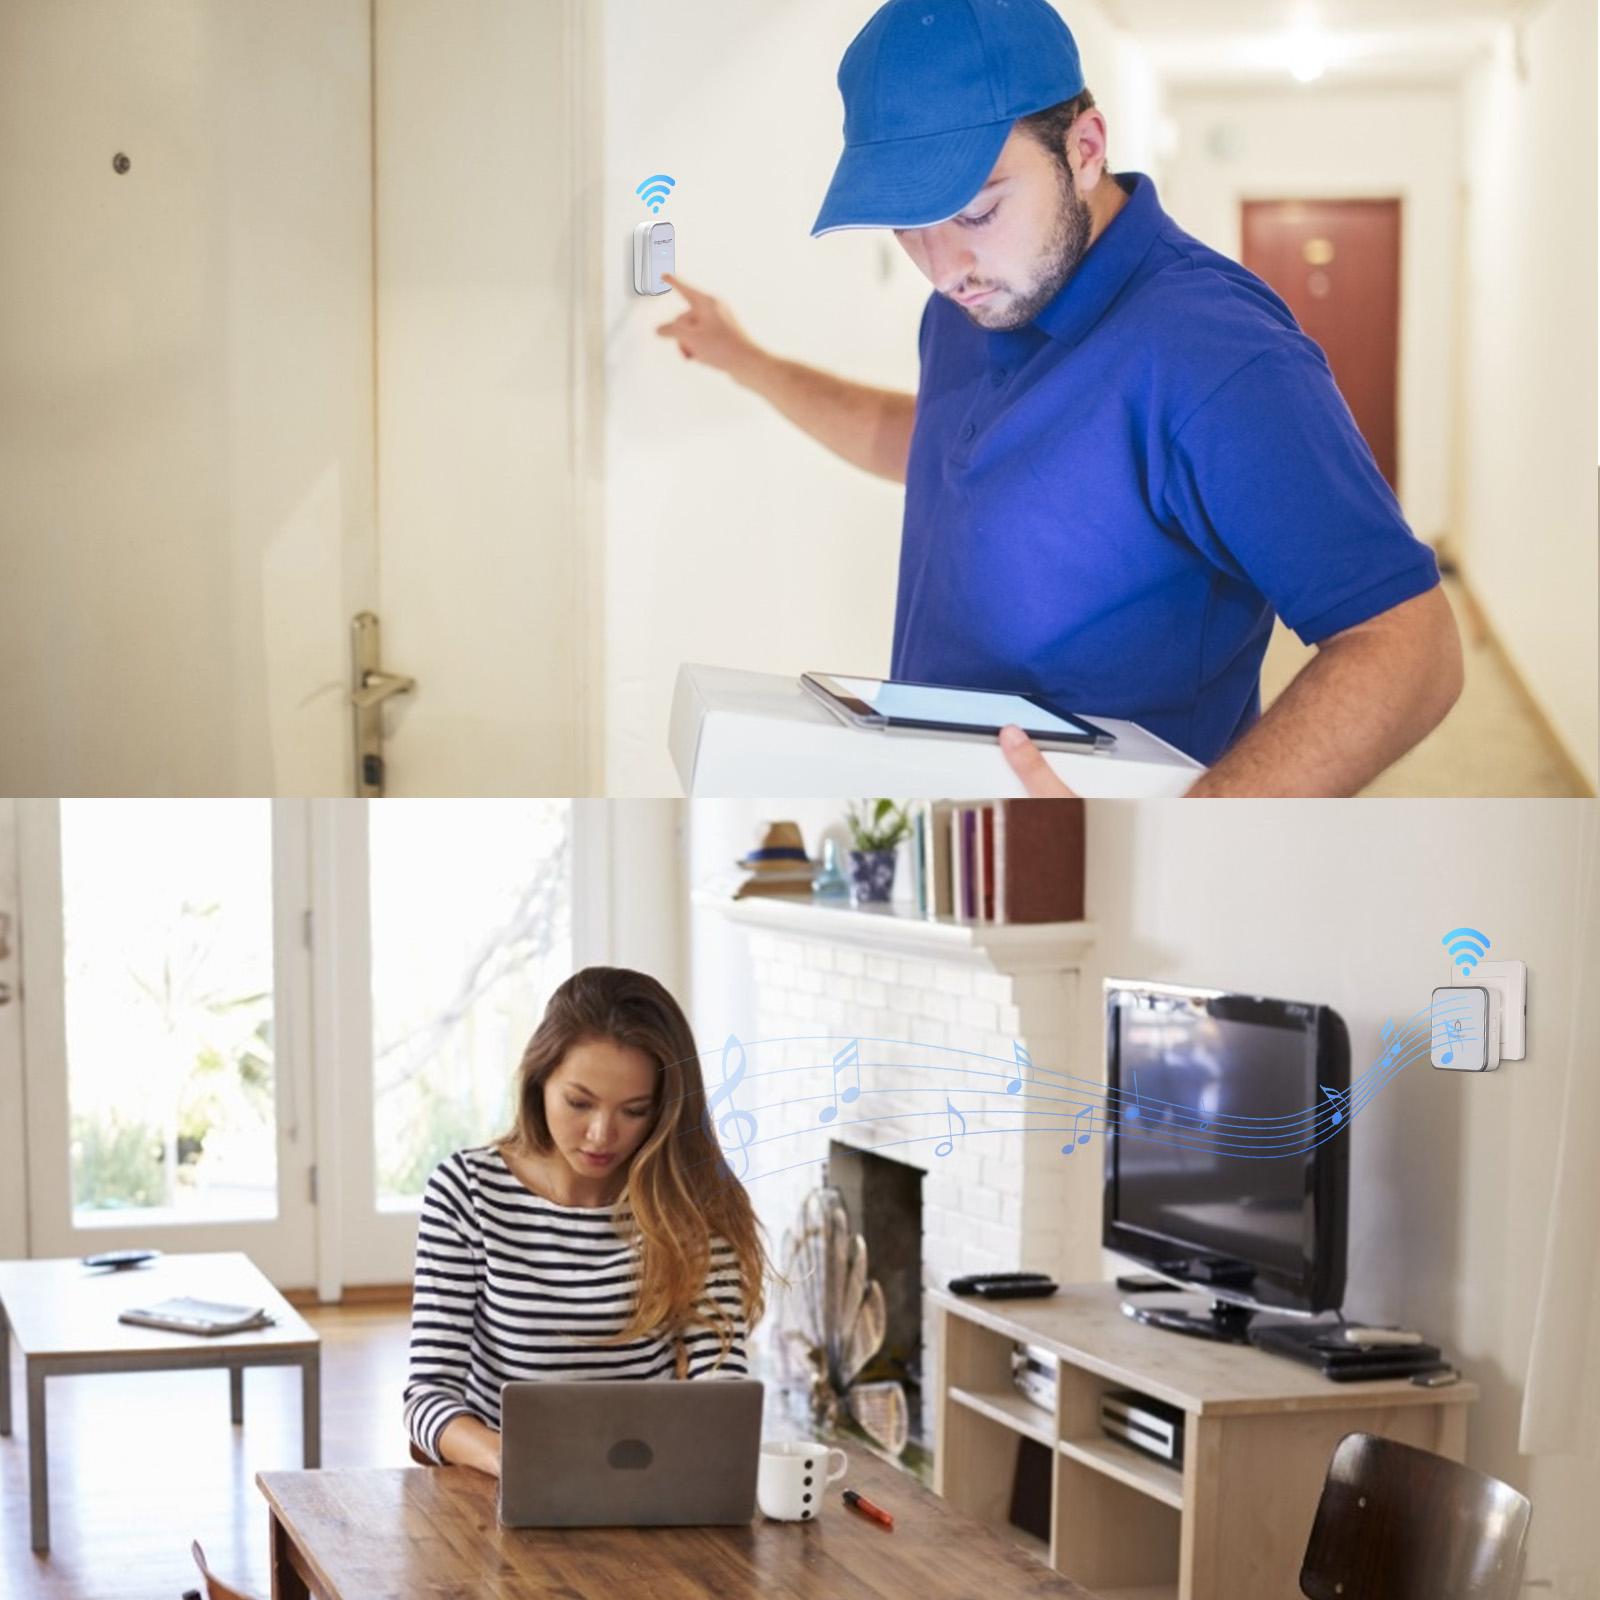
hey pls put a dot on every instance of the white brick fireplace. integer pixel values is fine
(937, 1008)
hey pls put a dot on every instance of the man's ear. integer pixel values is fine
(1086, 140)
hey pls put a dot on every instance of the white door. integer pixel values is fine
(442, 929)
(245, 366)
(165, 1022)
(256, 1025)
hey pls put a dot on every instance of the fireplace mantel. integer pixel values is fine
(949, 1008)
(896, 929)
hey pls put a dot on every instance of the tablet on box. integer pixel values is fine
(886, 704)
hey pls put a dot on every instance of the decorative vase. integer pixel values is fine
(871, 876)
(829, 882)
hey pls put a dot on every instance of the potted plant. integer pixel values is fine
(876, 829)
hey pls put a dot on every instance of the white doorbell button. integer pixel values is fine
(1464, 1022)
(655, 251)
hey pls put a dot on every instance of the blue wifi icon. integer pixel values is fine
(1467, 946)
(654, 190)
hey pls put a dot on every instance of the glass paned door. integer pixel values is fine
(456, 923)
(164, 1078)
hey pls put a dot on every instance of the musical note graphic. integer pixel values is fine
(1041, 1098)
(1394, 1044)
(1081, 1138)
(733, 1050)
(1024, 1061)
(849, 1056)
(951, 1113)
(1452, 1035)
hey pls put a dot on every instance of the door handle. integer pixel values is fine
(376, 687)
(370, 687)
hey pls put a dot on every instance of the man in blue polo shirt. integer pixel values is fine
(1123, 457)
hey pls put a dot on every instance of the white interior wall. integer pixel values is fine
(730, 537)
(1318, 143)
(722, 998)
(1529, 511)
(645, 892)
(1451, 1175)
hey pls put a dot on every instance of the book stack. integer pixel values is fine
(998, 861)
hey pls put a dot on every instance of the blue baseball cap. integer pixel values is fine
(931, 89)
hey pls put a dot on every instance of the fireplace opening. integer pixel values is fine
(884, 1199)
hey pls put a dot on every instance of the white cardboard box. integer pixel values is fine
(756, 734)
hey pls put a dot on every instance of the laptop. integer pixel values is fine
(617, 1452)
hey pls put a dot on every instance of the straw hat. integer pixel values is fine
(780, 854)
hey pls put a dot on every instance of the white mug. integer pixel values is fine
(790, 1480)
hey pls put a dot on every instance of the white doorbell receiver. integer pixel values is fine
(655, 250)
(1466, 1028)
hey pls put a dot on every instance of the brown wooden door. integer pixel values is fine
(1337, 264)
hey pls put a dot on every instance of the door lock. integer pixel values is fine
(370, 688)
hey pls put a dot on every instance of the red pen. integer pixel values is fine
(859, 1502)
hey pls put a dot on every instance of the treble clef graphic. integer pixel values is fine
(742, 1123)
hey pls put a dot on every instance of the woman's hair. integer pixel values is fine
(679, 1191)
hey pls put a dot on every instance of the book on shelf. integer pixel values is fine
(962, 868)
(935, 816)
(919, 877)
(986, 864)
(1003, 861)
(185, 1314)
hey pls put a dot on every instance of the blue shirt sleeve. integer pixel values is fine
(1272, 481)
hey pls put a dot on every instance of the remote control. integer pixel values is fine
(1017, 1291)
(973, 1282)
(121, 1260)
(1436, 1379)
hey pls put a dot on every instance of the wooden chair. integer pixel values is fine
(216, 1589)
(1398, 1523)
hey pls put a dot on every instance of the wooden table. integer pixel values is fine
(434, 1531)
(64, 1319)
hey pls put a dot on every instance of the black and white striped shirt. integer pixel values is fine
(511, 1285)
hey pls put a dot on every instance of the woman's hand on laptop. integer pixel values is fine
(1029, 764)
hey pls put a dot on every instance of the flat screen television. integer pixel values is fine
(1227, 1166)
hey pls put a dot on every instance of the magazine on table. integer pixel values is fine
(184, 1314)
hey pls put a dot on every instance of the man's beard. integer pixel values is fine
(1066, 247)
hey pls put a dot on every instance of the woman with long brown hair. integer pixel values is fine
(602, 1237)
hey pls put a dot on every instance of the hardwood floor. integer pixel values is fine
(142, 1464)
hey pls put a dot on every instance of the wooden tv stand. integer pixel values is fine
(1232, 1523)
